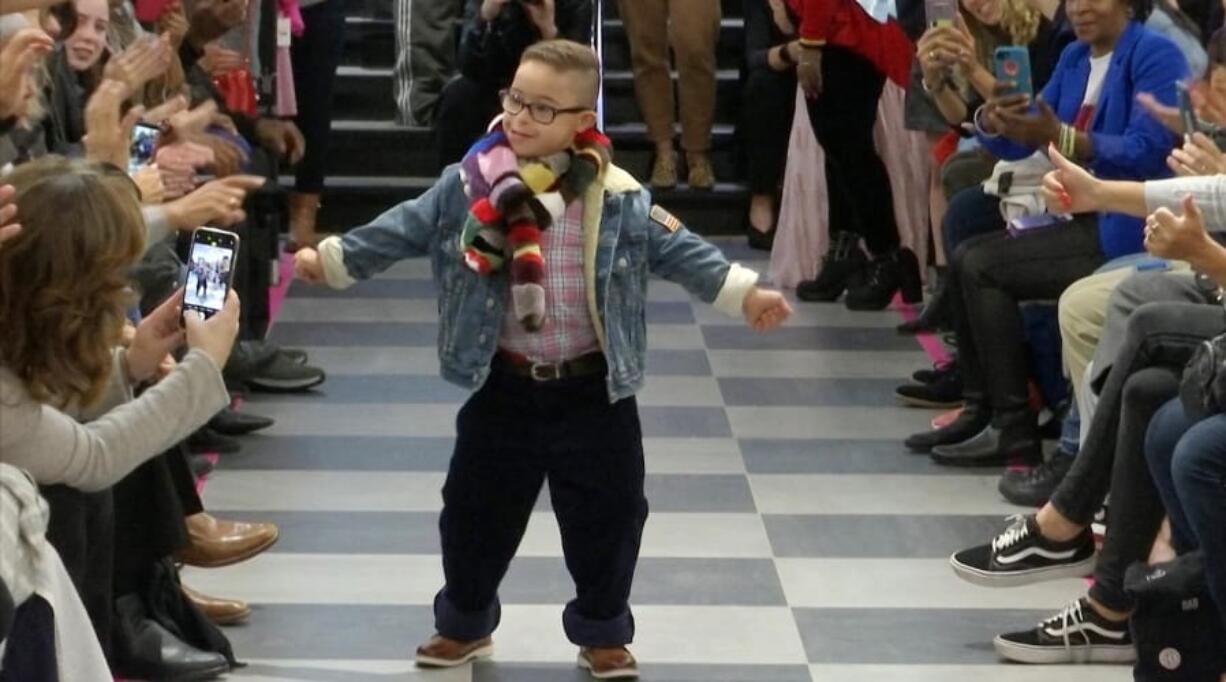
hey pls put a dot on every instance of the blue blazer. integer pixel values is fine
(1128, 143)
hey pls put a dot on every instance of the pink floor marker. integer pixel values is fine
(277, 294)
(929, 342)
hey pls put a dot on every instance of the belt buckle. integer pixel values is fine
(545, 371)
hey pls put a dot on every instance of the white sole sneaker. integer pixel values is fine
(431, 662)
(1117, 654)
(977, 576)
(619, 673)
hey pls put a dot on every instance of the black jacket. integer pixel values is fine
(489, 53)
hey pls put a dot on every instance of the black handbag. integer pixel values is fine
(1202, 391)
(1176, 627)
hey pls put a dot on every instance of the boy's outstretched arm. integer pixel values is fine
(683, 257)
(405, 231)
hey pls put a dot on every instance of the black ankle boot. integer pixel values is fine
(974, 417)
(934, 317)
(143, 649)
(1011, 437)
(887, 274)
(841, 267)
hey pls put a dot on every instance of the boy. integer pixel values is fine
(557, 402)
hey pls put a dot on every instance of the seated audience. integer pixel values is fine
(1088, 108)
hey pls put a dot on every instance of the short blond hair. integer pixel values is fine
(567, 56)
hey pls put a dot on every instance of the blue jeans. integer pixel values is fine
(1188, 462)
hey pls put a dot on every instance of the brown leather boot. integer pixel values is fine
(303, 210)
(607, 663)
(215, 543)
(441, 652)
(220, 611)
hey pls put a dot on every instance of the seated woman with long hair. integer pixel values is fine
(66, 387)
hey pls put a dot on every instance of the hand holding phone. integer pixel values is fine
(210, 271)
(142, 148)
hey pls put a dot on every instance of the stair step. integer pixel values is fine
(384, 149)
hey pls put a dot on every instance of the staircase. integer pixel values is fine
(376, 164)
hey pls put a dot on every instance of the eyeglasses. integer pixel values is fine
(513, 103)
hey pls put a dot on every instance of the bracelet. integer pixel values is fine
(979, 125)
(940, 87)
(1067, 141)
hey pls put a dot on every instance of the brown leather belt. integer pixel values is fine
(582, 366)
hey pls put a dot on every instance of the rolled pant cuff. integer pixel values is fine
(465, 626)
(581, 631)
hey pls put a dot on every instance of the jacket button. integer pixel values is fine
(621, 263)
(481, 338)
(489, 303)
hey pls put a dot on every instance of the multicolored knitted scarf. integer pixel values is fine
(514, 200)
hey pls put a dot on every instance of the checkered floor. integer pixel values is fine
(791, 537)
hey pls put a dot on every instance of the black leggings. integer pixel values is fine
(316, 56)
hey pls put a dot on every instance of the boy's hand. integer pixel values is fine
(764, 309)
(308, 267)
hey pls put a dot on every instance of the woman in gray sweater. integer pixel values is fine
(67, 412)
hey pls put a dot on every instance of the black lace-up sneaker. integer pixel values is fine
(1075, 635)
(1020, 556)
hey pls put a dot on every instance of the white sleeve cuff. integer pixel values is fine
(332, 257)
(737, 284)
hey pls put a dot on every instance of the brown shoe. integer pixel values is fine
(607, 663)
(664, 170)
(441, 652)
(215, 543)
(220, 611)
(702, 176)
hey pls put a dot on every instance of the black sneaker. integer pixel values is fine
(929, 376)
(944, 392)
(1021, 556)
(1034, 487)
(1075, 635)
(295, 355)
(283, 375)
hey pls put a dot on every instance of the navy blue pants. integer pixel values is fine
(1188, 462)
(512, 435)
(316, 56)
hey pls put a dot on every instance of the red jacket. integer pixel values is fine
(844, 23)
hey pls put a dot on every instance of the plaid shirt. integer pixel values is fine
(568, 332)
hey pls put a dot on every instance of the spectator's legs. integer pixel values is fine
(1132, 524)
(765, 127)
(81, 529)
(1157, 334)
(995, 273)
(1188, 463)
(425, 56)
(694, 32)
(1083, 313)
(316, 56)
(646, 23)
(843, 119)
(465, 109)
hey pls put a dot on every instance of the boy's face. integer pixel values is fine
(539, 87)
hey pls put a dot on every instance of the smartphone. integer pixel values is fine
(1013, 66)
(144, 144)
(940, 12)
(1187, 112)
(1030, 223)
(150, 11)
(210, 271)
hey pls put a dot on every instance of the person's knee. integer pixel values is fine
(1081, 309)
(1149, 318)
(1200, 456)
(1149, 287)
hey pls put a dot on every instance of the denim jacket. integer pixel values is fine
(624, 240)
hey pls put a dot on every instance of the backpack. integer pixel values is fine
(1177, 630)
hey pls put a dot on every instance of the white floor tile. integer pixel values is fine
(877, 494)
(970, 673)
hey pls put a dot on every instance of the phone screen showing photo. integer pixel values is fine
(940, 12)
(209, 266)
(144, 143)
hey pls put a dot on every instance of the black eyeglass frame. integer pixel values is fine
(532, 107)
